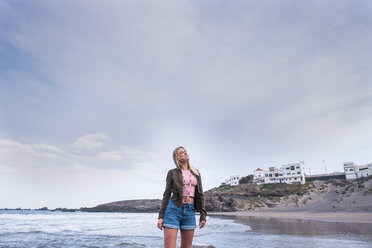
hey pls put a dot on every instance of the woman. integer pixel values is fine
(182, 196)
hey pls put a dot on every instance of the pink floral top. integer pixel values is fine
(189, 182)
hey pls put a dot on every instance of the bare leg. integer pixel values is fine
(186, 238)
(170, 237)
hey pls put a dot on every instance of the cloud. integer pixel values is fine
(77, 185)
(136, 153)
(78, 179)
(130, 156)
(45, 147)
(89, 141)
(16, 153)
(116, 156)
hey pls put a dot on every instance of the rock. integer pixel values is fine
(130, 206)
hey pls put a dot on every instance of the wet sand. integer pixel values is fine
(299, 226)
(341, 217)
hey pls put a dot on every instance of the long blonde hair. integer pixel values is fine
(176, 162)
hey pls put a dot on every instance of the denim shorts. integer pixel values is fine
(176, 218)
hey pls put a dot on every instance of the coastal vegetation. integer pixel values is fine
(246, 179)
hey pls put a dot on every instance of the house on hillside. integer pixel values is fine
(287, 173)
(259, 176)
(353, 171)
(233, 180)
(350, 170)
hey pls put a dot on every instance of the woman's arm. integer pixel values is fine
(203, 212)
(166, 195)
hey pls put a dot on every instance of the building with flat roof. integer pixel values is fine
(350, 170)
(353, 171)
(233, 180)
(287, 173)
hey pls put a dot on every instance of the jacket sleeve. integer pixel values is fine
(203, 212)
(166, 195)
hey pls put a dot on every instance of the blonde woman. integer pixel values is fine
(182, 196)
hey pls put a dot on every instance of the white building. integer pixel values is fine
(364, 170)
(288, 173)
(233, 180)
(350, 170)
(259, 176)
(353, 171)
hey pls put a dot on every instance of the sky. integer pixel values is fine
(95, 95)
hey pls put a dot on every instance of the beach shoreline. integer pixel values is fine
(341, 217)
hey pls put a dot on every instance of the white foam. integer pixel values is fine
(113, 224)
(92, 223)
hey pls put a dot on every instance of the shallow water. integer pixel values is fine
(274, 232)
(78, 229)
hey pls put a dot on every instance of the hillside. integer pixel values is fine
(331, 195)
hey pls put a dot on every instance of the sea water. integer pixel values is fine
(34, 228)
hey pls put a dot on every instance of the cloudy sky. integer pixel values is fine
(95, 95)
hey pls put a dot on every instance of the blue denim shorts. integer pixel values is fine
(176, 218)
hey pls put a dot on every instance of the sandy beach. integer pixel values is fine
(342, 217)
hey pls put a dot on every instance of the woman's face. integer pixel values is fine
(182, 155)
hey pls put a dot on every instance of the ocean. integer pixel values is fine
(34, 228)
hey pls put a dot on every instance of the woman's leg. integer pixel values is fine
(170, 237)
(186, 238)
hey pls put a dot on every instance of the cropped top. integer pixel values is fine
(189, 182)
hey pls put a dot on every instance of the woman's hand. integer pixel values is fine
(160, 224)
(202, 224)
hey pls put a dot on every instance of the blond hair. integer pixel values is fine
(176, 161)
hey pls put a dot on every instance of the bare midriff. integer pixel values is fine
(186, 199)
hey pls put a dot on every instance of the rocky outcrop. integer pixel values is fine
(230, 198)
(233, 198)
(130, 206)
